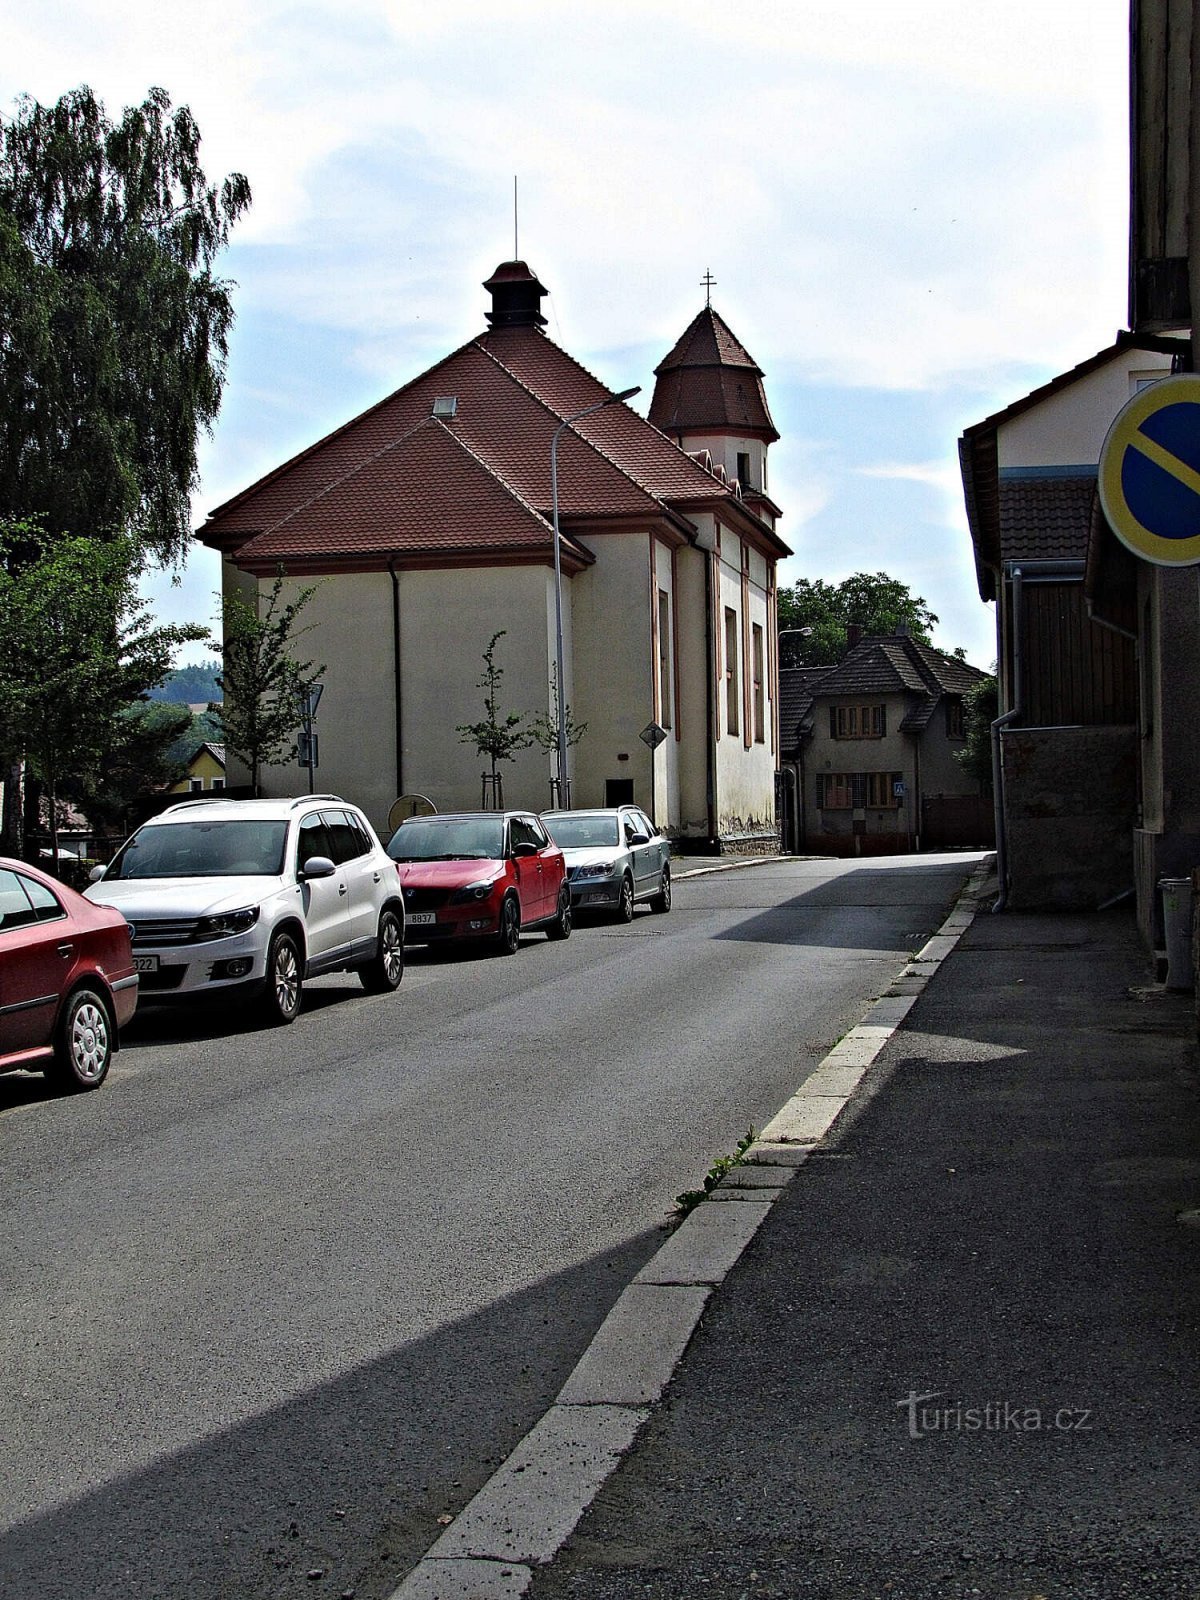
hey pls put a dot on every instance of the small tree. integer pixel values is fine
(543, 730)
(264, 687)
(980, 710)
(77, 652)
(497, 737)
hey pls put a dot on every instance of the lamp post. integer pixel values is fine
(625, 394)
(794, 633)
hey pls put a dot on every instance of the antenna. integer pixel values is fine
(707, 282)
(516, 246)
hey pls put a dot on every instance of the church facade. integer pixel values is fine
(426, 524)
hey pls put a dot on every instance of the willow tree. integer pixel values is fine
(114, 325)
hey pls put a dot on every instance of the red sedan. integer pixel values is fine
(67, 983)
(480, 875)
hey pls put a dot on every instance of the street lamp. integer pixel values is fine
(567, 422)
(793, 633)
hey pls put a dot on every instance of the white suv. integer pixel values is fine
(253, 896)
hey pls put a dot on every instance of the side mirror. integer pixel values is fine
(524, 849)
(96, 874)
(318, 867)
(639, 838)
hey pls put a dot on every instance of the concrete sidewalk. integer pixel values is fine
(961, 1355)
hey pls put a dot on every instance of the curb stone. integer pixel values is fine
(531, 1504)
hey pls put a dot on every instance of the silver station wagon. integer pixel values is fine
(615, 858)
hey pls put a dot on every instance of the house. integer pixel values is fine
(205, 770)
(1073, 801)
(427, 525)
(871, 744)
(1095, 754)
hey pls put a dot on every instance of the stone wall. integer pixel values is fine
(1069, 798)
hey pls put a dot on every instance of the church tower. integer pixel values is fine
(708, 396)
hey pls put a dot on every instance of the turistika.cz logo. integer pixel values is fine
(997, 1416)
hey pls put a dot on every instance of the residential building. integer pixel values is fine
(1068, 748)
(205, 770)
(871, 747)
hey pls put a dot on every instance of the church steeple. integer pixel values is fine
(710, 384)
(709, 396)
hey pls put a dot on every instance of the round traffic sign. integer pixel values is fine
(1149, 474)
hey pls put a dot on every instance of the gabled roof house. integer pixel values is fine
(428, 521)
(872, 745)
(1080, 815)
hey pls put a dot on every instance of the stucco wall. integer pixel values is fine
(1069, 800)
(745, 777)
(694, 691)
(1068, 428)
(725, 448)
(446, 620)
(666, 757)
(614, 667)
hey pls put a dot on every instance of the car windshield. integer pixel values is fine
(229, 848)
(583, 832)
(448, 839)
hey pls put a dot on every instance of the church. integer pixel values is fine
(427, 526)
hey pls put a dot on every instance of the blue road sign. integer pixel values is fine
(1149, 473)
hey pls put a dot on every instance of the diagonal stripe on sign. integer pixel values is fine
(1169, 463)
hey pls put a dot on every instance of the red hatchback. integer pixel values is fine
(480, 875)
(67, 984)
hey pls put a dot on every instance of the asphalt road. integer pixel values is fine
(274, 1301)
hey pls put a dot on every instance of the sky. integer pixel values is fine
(915, 211)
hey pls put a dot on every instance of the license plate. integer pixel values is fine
(421, 919)
(145, 963)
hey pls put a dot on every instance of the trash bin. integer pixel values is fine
(1177, 925)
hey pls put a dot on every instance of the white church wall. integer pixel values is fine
(614, 667)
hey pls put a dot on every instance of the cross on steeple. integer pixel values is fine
(707, 281)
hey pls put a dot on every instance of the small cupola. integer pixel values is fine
(516, 297)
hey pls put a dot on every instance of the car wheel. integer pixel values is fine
(560, 928)
(662, 900)
(508, 935)
(285, 980)
(384, 971)
(83, 1048)
(624, 911)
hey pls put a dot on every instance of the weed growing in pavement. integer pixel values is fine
(691, 1198)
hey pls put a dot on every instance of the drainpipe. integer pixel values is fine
(395, 577)
(1005, 721)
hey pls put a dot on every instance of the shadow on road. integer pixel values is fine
(866, 908)
(345, 1483)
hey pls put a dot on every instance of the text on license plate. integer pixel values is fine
(145, 963)
(421, 919)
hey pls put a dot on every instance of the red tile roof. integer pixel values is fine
(427, 484)
(380, 484)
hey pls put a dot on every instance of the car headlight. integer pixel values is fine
(226, 923)
(473, 891)
(598, 869)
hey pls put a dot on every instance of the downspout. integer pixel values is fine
(1005, 721)
(395, 577)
